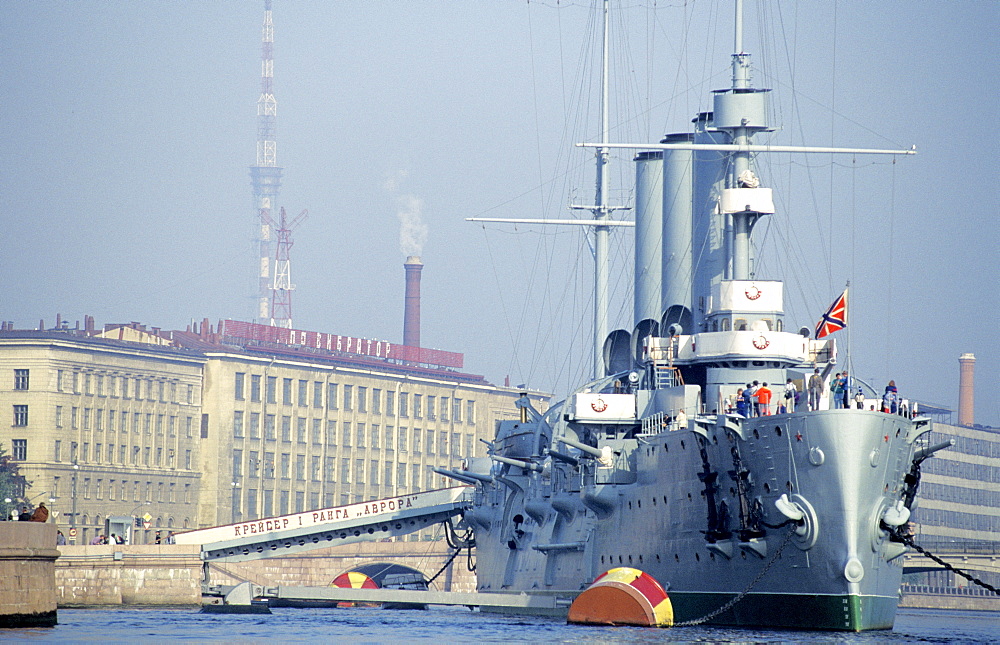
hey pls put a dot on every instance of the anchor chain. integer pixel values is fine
(729, 605)
(908, 541)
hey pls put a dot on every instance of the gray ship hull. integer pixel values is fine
(681, 506)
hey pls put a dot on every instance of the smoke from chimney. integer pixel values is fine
(411, 306)
(966, 378)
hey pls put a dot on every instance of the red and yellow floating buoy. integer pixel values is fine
(623, 596)
(353, 580)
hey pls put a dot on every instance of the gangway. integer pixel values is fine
(287, 534)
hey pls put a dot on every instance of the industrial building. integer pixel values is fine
(213, 425)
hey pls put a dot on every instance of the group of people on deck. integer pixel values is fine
(755, 400)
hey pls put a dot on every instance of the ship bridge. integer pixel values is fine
(287, 534)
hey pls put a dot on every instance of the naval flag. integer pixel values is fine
(835, 317)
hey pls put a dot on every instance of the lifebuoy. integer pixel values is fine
(761, 343)
(598, 405)
(752, 292)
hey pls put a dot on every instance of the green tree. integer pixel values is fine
(13, 485)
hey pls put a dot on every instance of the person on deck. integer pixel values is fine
(753, 397)
(748, 400)
(790, 392)
(764, 400)
(846, 391)
(815, 390)
(835, 391)
(741, 404)
(890, 398)
(859, 399)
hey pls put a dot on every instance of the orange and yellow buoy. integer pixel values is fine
(353, 580)
(623, 596)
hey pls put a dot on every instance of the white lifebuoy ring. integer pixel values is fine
(598, 405)
(752, 292)
(761, 343)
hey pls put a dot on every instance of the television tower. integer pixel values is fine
(265, 176)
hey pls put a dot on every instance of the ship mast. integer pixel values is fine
(601, 220)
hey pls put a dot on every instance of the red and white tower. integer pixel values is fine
(281, 291)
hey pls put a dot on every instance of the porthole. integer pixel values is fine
(777, 430)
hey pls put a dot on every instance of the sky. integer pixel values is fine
(131, 128)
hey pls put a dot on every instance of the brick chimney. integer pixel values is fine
(411, 307)
(966, 378)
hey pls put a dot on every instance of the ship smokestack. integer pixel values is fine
(411, 309)
(966, 378)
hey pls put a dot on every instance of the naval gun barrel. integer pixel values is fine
(526, 465)
(454, 475)
(927, 451)
(572, 461)
(590, 450)
(486, 479)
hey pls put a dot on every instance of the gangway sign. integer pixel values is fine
(286, 534)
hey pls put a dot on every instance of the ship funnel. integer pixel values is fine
(411, 311)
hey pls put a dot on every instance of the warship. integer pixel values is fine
(791, 514)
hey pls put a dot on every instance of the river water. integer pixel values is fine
(459, 625)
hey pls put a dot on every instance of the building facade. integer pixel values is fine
(182, 431)
(958, 510)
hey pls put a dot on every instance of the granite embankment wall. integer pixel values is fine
(172, 574)
(27, 574)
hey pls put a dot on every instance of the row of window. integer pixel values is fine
(960, 494)
(118, 454)
(969, 445)
(125, 490)
(359, 435)
(306, 393)
(114, 385)
(957, 520)
(977, 472)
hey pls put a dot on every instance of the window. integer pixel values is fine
(97, 452)
(387, 474)
(362, 399)
(255, 388)
(456, 443)
(374, 439)
(20, 416)
(59, 380)
(121, 454)
(286, 391)
(238, 424)
(86, 418)
(269, 427)
(430, 442)
(331, 433)
(401, 475)
(268, 465)
(111, 453)
(376, 401)
(303, 393)
(300, 430)
(238, 382)
(254, 425)
(388, 437)
(187, 460)
(418, 406)
(348, 393)
(431, 410)
(444, 409)
(345, 434)
(286, 464)
(100, 385)
(112, 485)
(317, 394)
(86, 452)
(456, 410)
(360, 434)
(317, 431)
(373, 472)
(415, 476)
(19, 449)
(470, 412)
(345, 470)
(20, 379)
(272, 389)
(390, 403)
(404, 404)
(57, 453)
(286, 429)
(401, 439)
(145, 454)
(159, 424)
(415, 444)
(329, 466)
(315, 468)
(359, 471)
(331, 396)
(253, 465)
